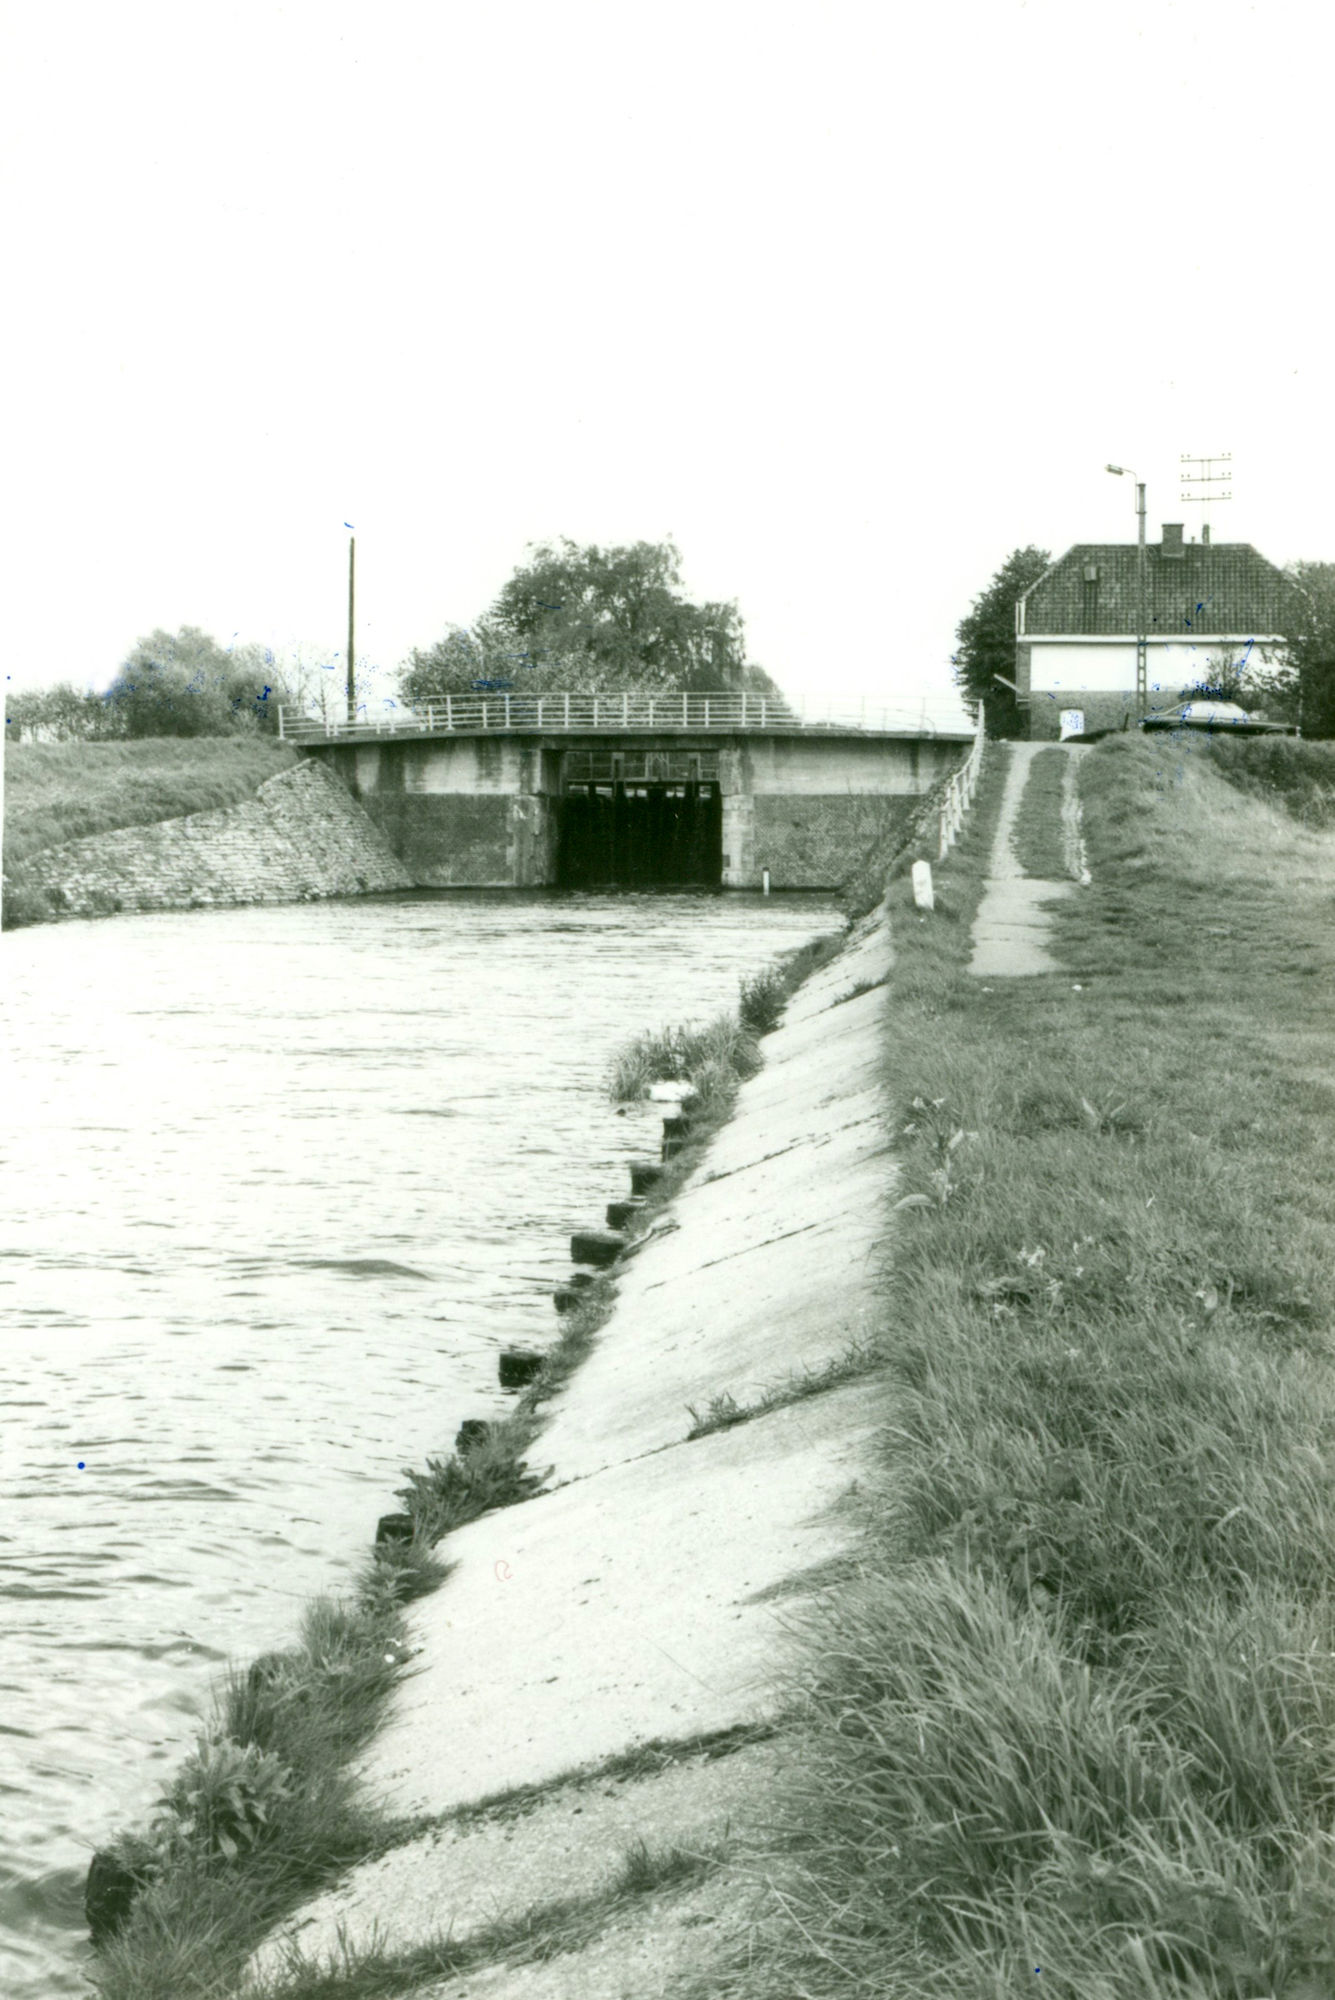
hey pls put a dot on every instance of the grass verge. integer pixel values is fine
(56, 792)
(1297, 778)
(1037, 838)
(1076, 1711)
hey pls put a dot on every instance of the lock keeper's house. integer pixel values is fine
(1076, 627)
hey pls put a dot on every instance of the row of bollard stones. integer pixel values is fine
(111, 1887)
(595, 1250)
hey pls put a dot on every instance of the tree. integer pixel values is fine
(1301, 687)
(57, 714)
(1226, 678)
(484, 658)
(186, 684)
(986, 640)
(591, 619)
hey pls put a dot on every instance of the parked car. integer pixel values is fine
(1223, 716)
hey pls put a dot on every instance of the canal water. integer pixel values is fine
(277, 1185)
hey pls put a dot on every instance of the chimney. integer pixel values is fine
(1172, 539)
(1205, 534)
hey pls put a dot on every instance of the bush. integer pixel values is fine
(27, 903)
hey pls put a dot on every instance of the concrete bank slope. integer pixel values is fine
(619, 1641)
(302, 836)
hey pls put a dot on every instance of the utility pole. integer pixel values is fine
(1142, 593)
(352, 610)
(1142, 620)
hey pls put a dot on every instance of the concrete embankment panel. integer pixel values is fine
(570, 1841)
(619, 1609)
(301, 836)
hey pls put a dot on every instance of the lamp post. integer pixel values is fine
(1142, 676)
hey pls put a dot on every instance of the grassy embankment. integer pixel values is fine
(56, 792)
(1077, 1712)
(1293, 776)
(266, 1811)
(65, 791)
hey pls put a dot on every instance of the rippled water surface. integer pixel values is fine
(277, 1184)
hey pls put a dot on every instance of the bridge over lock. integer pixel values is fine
(515, 790)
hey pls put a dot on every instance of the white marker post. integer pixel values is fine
(922, 885)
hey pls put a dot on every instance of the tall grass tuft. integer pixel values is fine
(761, 1000)
(680, 1054)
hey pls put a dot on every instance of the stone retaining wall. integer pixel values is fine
(302, 836)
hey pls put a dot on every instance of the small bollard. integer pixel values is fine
(472, 1432)
(673, 1141)
(596, 1246)
(922, 885)
(518, 1365)
(672, 1093)
(619, 1213)
(644, 1174)
(393, 1530)
(565, 1298)
(579, 1279)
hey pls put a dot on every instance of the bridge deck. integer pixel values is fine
(612, 714)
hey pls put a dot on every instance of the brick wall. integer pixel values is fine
(302, 836)
(450, 840)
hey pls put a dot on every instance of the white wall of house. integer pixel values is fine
(1108, 665)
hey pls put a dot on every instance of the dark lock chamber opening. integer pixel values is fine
(640, 820)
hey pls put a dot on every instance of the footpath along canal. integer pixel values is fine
(278, 1186)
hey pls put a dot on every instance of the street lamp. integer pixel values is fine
(1142, 676)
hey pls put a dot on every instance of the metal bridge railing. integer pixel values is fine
(471, 714)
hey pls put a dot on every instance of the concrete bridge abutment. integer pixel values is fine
(488, 809)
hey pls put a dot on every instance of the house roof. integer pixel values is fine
(1210, 588)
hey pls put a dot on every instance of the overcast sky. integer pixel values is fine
(849, 300)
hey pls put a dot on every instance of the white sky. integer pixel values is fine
(850, 300)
